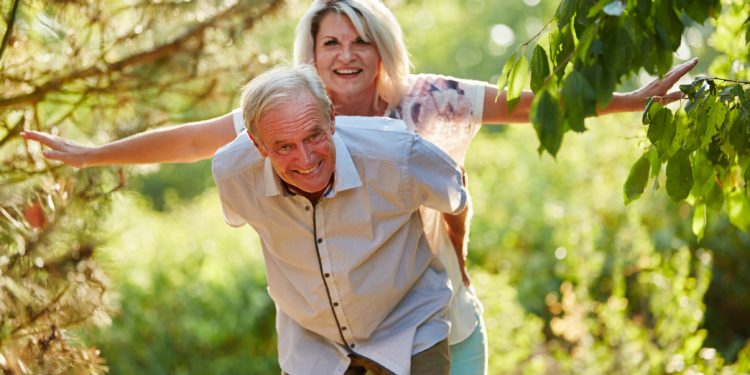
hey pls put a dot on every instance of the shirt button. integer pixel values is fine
(343, 328)
(320, 240)
(335, 304)
(307, 208)
(352, 346)
(327, 274)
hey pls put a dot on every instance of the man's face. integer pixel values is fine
(297, 137)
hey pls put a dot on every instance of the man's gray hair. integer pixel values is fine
(278, 86)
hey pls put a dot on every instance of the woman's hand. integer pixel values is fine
(185, 143)
(658, 89)
(60, 148)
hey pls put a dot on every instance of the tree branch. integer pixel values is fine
(11, 21)
(12, 132)
(183, 42)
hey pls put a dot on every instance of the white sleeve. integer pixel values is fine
(438, 181)
(231, 216)
(239, 123)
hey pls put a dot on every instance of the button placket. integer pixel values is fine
(328, 276)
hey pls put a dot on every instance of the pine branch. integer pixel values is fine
(12, 132)
(9, 29)
(182, 43)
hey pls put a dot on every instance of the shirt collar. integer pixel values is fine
(345, 173)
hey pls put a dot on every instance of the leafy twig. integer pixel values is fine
(725, 80)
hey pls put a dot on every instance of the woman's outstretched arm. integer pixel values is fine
(178, 144)
(496, 112)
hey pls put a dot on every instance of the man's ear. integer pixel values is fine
(260, 148)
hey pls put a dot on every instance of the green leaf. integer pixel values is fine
(738, 209)
(579, 100)
(539, 68)
(587, 50)
(661, 132)
(703, 175)
(602, 81)
(565, 12)
(545, 115)
(698, 11)
(646, 119)
(714, 122)
(562, 44)
(739, 134)
(637, 179)
(618, 54)
(715, 197)
(656, 162)
(517, 79)
(502, 81)
(699, 220)
(679, 176)
(668, 26)
(688, 90)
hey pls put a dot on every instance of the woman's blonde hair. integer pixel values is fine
(374, 23)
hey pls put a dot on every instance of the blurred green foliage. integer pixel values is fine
(191, 289)
(619, 289)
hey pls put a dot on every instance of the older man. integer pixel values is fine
(355, 284)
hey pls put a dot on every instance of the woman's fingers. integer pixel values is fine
(58, 148)
(43, 138)
(676, 73)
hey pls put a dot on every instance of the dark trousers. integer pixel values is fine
(436, 360)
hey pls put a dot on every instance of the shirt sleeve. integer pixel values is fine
(231, 216)
(437, 181)
(238, 121)
(444, 110)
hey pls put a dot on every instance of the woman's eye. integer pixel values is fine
(330, 42)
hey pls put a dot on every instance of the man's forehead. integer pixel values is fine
(286, 129)
(289, 134)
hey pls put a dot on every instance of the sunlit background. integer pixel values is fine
(571, 278)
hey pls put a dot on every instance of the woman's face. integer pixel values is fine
(347, 64)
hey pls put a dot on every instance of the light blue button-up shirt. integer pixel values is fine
(353, 273)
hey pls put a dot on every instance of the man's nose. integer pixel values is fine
(305, 154)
